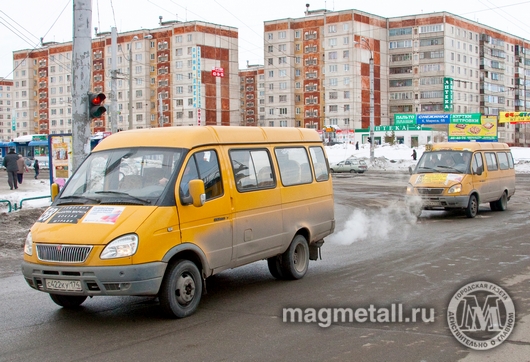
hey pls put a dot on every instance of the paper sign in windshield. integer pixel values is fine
(438, 178)
(103, 215)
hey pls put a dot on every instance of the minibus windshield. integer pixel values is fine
(128, 176)
(446, 161)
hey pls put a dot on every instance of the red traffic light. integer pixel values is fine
(95, 105)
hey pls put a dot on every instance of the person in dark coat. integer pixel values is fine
(11, 165)
(414, 155)
(36, 167)
(357, 145)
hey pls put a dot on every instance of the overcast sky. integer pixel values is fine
(23, 23)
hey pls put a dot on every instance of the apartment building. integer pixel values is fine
(252, 96)
(8, 129)
(484, 69)
(317, 70)
(173, 82)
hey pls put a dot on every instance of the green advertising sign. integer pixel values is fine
(404, 119)
(448, 94)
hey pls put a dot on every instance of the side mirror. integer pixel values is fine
(479, 171)
(197, 192)
(54, 190)
(410, 170)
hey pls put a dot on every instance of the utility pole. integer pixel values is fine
(130, 87)
(81, 76)
(113, 80)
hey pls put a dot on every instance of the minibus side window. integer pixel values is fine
(319, 163)
(202, 165)
(252, 169)
(478, 164)
(294, 165)
(510, 160)
(491, 161)
(503, 161)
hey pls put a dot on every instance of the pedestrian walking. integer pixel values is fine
(21, 168)
(36, 167)
(414, 155)
(357, 145)
(11, 165)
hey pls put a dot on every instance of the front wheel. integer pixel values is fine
(472, 206)
(181, 289)
(68, 301)
(295, 260)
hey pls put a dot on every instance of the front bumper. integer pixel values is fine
(144, 279)
(434, 202)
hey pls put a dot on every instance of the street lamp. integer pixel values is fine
(372, 141)
(131, 84)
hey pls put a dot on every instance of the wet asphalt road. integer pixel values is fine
(379, 255)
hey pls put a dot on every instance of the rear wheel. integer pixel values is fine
(295, 260)
(68, 301)
(501, 204)
(353, 171)
(275, 266)
(472, 206)
(181, 289)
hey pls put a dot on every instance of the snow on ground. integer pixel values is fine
(387, 158)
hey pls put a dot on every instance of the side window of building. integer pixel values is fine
(252, 169)
(293, 163)
(503, 160)
(319, 163)
(478, 164)
(491, 161)
(202, 165)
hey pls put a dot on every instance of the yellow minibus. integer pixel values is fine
(154, 212)
(462, 175)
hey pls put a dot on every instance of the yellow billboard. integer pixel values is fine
(515, 117)
(485, 131)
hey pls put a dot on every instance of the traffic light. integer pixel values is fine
(95, 105)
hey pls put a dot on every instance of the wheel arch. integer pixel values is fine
(192, 253)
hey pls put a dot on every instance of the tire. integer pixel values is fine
(501, 204)
(353, 171)
(181, 289)
(68, 301)
(295, 260)
(275, 266)
(331, 170)
(472, 207)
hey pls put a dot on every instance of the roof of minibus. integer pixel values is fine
(469, 146)
(189, 136)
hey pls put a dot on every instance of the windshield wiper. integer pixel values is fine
(77, 197)
(452, 168)
(145, 201)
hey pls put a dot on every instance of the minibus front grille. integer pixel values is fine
(63, 253)
(430, 191)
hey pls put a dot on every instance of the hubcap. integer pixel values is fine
(185, 289)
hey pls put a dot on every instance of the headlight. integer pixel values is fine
(455, 189)
(410, 189)
(28, 245)
(123, 246)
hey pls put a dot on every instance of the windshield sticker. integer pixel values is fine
(68, 214)
(438, 178)
(103, 215)
(47, 214)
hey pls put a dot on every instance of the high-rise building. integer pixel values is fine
(8, 125)
(183, 73)
(252, 95)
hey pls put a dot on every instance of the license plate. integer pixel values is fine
(65, 285)
(431, 203)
